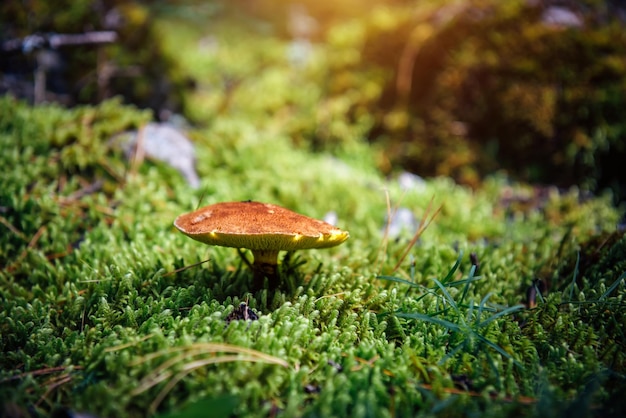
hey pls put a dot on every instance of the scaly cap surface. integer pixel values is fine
(258, 226)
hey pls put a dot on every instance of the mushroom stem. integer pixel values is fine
(265, 257)
(265, 265)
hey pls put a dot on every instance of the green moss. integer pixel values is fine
(96, 306)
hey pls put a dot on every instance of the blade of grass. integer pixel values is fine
(494, 369)
(451, 354)
(538, 292)
(230, 352)
(397, 280)
(497, 348)
(190, 367)
(474, 306)
(613, 286)
(467, 283)
(447, 295)
(453, 269)
(481, 307)
(209, 348)
(438, 321)
(444, 404)
(470, 312)
(500, 314)
(463, 281)
(574, 277)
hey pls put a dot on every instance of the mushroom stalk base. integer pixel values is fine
(265, 266)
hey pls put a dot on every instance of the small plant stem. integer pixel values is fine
(424, 223)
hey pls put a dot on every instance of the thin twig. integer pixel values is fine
(56, 382)
(30, 246)
(130, 344)
(391, 212)
(86, 190)
(107, 167)
(39, 372)
(382, 250)
(56, 40)
(424, 223)
(331, 295)
(185, 268)
(524, 400)
(140, 152)
(12, 228)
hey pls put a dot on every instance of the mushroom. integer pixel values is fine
(263, 228)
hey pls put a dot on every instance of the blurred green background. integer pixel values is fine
(534, 89)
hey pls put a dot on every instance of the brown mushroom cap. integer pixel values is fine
(258, 227)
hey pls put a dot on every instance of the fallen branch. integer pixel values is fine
(56, 40)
